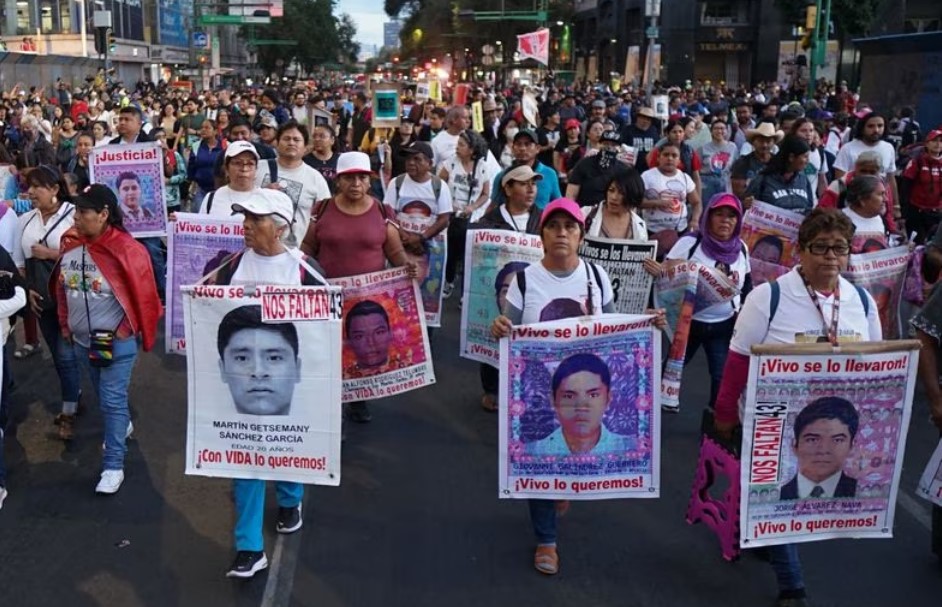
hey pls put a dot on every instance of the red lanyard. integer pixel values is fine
(831, 331)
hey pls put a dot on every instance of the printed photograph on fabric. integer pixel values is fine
(382, 333)
(580, 408)
(489, 292)
(839, 443)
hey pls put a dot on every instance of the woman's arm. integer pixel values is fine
(395, 252)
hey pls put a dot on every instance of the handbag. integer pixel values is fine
(38, 271)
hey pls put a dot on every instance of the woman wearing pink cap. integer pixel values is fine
(715, 244)
(562, 285)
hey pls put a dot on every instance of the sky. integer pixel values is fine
(369, 17)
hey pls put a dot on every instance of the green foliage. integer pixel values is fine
(321, 37)
(852, 17)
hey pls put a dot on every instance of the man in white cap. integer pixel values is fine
(265, 260)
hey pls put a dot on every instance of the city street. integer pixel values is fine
(415, 522)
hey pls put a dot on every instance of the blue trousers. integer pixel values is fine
(787, 566)
(158, 260)
(250, 509)
(63, 356)
(543, 518)
(715, 338)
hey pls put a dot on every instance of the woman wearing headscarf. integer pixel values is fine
(107, 302)
(716, 244)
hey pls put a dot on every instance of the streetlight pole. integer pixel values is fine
(652, 10)
(819, 45)
(83, 28)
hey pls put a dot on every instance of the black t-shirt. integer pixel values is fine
(327, 168)
(545, 136)
(592, 179)
(642, 141)
(571, 153)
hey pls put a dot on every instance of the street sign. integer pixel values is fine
(200, 40)
(234, 20)
(652, 32)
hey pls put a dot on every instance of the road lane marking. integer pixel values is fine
(284, 561)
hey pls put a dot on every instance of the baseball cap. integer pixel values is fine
(267, 201)
(724, 199)
(563, 205)
(240, 147)
(352, 163)
(96, 197)
(611, 137)
(934, 134)
(610, 101)
(522, 172)
(526, 133)
(572, 123)
(417, 147)
(268, 122)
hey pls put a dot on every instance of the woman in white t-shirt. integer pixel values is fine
(241, 165)
(814, 304)
(866, 207)
(466, 175)
(668, 192)
(561, 286)
(618, 216)
(716, 245)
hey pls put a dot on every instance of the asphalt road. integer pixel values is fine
(415, 522)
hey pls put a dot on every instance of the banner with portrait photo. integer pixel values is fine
(882, 274)
(135, 173)
(771, 234)
(579, 409)
(431, 265)
(930, 484)
(385, 346)
(624, 262)
(824, 433)
(492, 258)
(263, 375)
(684, 289)
(196, 245)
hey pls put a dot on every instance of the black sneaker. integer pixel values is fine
(289, 519)
(247, 563)
(359, 412)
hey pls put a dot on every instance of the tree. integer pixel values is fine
(320, 37)
(852, 17)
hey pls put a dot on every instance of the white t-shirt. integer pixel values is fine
(255, 269)
(816, 166)
(418, 199)
(848, 156)
(675, 188)
(551, 297)
(639, 229)
(518, 221)
(458, 181)
(222, 200)
(30, 229)
(737, 271)
(797, 320)
(10, 231)
(443, 148)
(304, 186)
(868, 225)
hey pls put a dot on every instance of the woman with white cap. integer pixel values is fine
(240, 164)
(353, 233)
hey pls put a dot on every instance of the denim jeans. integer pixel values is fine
(250, 509)
(715, 338)
(543, 517)
(490, 379)
(787, 566)
(63, 356)
(111, 383)
(158, 259)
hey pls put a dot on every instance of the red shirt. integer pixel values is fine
(926, 175)
(348, 245)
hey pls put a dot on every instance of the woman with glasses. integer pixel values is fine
(814, 304)
(240, 165)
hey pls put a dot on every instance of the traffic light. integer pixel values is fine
(811, 17)
(112, 43)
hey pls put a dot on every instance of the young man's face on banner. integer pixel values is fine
(261, 369)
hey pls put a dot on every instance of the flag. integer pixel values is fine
(534, 45)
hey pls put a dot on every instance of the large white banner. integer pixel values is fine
(264, 382)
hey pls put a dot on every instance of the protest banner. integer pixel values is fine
(431, 275)
(824, 433)
(771, 234)
(624, 262)
(684, 289)
(263, 382)
(604, 368)
(196, 245)
(882, 274)
(930, 484)
(492, 259)
(135, 173)
(385, 348)
(387, 105)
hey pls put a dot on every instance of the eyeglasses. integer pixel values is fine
(820, 248)
(243, 165)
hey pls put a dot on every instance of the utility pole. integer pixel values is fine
(819, 41)
(652, 10)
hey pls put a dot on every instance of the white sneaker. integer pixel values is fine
(3, 495)
(110, 481)
(447, 290)
(127, 434)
